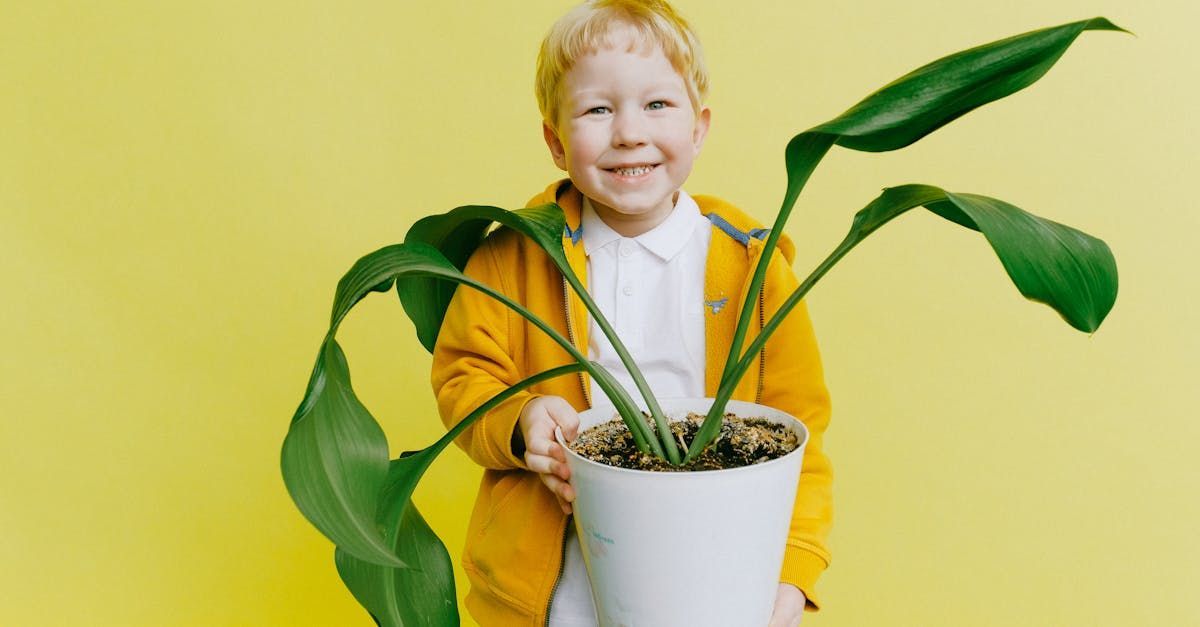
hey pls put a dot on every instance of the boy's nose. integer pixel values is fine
(628, 129)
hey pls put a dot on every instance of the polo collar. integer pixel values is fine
(664, 240)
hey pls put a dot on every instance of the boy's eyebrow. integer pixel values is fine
(604, 91)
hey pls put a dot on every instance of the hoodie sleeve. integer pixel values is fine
(794, 382)
(472, 362)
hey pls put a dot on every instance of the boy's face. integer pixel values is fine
(627, 134)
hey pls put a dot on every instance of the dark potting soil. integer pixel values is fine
(741, 442)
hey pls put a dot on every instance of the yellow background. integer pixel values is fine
(182, 186)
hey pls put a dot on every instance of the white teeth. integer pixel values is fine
(638, 171)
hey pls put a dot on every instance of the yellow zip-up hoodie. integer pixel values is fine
(514, 547)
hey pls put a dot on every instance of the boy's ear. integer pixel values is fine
(701, 130)
(557, 152)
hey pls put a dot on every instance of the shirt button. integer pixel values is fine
(626, 249)
(627, 290)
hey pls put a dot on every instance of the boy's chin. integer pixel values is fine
(631, 221)
(634, 210)
(635, 204)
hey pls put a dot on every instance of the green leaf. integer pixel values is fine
(899, 114)
(335, 461)
(890, 204)
(335, 465)
(457, 234)
(424, 593)
(1051, 263)
(933, 95)
(1067, 269)
(335, 456)
(930, 97)
(421, 595)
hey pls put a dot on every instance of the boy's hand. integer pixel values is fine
(542, 454)
(789, 606)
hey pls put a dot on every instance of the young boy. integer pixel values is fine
(620, 84)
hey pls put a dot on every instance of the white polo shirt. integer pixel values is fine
(651, 289)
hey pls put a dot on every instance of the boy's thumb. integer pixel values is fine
(570, 427)
(567, 419)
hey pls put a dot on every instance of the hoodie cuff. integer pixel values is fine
(801, 568)
(499, 425)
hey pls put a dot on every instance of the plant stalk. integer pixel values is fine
(660, 422)
(712, 422)
(493, 402)
(809, 149)
(612, 388)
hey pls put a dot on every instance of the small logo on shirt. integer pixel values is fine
(716, 305)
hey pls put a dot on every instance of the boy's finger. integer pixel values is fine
(548, 448)
(538, 463)
(560, 488)
(566, 417)
(570, 426)
(542, 429)
(547, 466)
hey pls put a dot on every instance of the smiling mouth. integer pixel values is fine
(633, 171)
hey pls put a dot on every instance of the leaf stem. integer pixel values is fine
(612, 388)
(660, 422)
(712, 422)
(892, 203)
(804, 152)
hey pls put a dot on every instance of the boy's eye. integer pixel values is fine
(597, 110)
(657, 104)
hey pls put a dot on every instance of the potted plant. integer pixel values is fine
(335, 456)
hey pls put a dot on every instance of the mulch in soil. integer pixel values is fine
(742, 442)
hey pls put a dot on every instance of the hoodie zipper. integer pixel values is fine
(562, 549)
(562, 565)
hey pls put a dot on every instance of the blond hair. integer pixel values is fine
(588, 28)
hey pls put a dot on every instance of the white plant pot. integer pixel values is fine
(685, 548)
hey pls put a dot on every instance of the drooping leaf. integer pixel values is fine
(890, 204)
(1051, 263)
(424, 593)
(1067, 269)
(457, 234)
(417, 260)
(405, 263)
(335, 461)
(903, 112)
(335, 456)
(421, 595)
